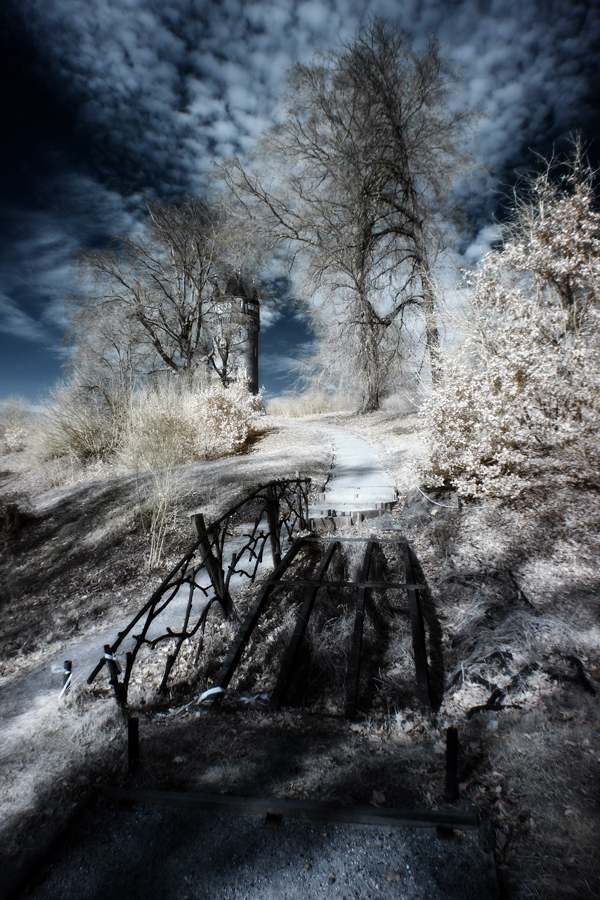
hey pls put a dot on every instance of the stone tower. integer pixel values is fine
(244, 299)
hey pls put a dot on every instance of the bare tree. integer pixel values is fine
(156, 301)
(354, 178)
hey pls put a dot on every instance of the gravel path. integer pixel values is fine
(157, 853)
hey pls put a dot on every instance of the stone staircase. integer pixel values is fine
(358, 488)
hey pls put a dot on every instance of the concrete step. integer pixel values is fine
(364, 495)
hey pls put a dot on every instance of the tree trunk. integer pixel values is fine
(371, 368)
(432, 335)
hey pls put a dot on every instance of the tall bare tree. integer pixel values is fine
(156, 301)
(354, 178)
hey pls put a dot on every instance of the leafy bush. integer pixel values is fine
(153, 429)
(173, 425)
(16, 417)
(520, 400)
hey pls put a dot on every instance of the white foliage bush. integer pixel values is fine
(16, 420)
(175, 425)
(520, 400)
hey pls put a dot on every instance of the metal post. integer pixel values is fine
(113, 668)
(213, 566)
(272, 509)
(67, 675)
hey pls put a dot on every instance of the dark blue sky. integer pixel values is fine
(105, 102)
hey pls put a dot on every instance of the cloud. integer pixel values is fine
(269, 316)
(146, 94)
(277, 364)
(16, 322)
(481, 245)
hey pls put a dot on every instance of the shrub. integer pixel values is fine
(77, 423)
(520, 400)
(16, 417)
(173, 425)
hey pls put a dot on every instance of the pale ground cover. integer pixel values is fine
(513, 601)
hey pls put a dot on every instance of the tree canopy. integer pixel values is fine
(359, 169)
(155, 301)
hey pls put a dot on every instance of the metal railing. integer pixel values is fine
(280, 509)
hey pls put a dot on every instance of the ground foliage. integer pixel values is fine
(514, 591)
(168, 424)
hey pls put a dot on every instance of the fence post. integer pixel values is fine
(213, 566)
(451, 764)
(304, 494)
(113, 668)
(133, 745)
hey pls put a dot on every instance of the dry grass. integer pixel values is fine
(50, 756)
(517, 592)
(313, 403)
(76, 565)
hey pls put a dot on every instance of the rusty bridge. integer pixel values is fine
(270, 529)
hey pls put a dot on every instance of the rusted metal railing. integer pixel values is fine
(202, 577)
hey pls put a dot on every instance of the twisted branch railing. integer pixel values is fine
(280, 509)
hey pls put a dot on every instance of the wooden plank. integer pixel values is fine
(297, 809)
(418, 636)
(306, 582)
(243, 636)
(451, 764)
(353, 540)
(300, 628)
(353, 672)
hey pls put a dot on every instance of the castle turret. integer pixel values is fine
(247, 306)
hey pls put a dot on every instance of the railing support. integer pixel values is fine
(114, 670)
(213, 566)
(272, 510)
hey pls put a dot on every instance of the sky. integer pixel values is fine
(106, 102)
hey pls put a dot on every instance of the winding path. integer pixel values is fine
(358, 487)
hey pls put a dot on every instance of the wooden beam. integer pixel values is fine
(291, 653)
(353, 672)
(297, 809)
(418, 636)
(243, 636)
